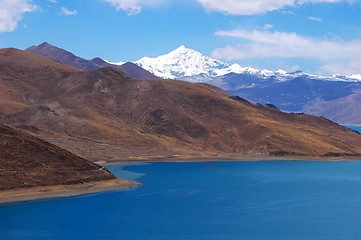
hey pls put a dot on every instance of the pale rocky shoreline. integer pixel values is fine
(59, 191)
(223, 158)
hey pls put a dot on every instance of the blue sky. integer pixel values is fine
(317, 36)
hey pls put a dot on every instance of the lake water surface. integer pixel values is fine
(213, 200)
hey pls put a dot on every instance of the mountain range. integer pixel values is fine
(334, 97)
(187, 64)
(107, 115)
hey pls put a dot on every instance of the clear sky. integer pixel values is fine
(317, 36)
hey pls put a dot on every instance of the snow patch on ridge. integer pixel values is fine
(113, 63)
(354, 76)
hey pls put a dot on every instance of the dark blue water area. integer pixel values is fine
(214, 200)
(354, 127)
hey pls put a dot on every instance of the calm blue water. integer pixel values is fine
(217, 200)
(354, 127)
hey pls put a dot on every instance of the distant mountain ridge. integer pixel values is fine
(182, 63)
(47, 50)
(187, 64)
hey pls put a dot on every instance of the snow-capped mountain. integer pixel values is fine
(185, 63)
(188, 64)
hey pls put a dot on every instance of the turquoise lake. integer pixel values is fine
(280, 200)
(214, 200)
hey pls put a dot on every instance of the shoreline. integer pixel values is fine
(220, 158)
(19, 195)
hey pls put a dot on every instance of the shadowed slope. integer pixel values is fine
(26, 161)
(107, 115)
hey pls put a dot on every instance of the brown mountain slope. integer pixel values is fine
(107, 115)
(26, 161)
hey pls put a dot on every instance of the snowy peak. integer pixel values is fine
(184, 62)
(188, 64)
(181, 49)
